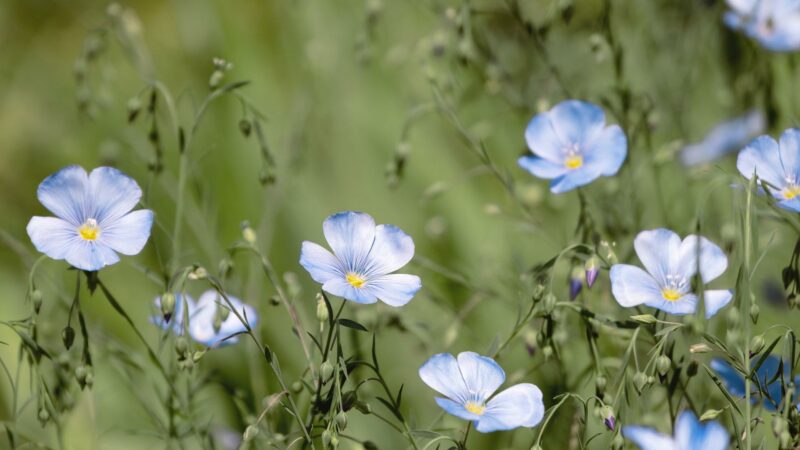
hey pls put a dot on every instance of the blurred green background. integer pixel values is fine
(344, 87)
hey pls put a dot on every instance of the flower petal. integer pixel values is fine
(395, 289)
(607, 150)
(53, 236)
(391, 250)
(482, 374)
(762, 156)
(112, 194)
(790, 205)
(518, 406)
(341, 288)
(633, 286)
(90, 255)
(542, 168)
(456, 409)
(647, 438)
(687, 304)
(577, 122)
(731, 378)
(715, 300)
(64, 194)
(320, 263)
(129, 233)
(542, 139)
(441, 373)
(350, 235)
(201, 322)
(726, 137)
(659, 251)
(690, 433)
(713, 261)
(575, 178)
(790, 153)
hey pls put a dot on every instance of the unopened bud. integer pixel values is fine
(663, 365)
(248, 234)
(547, 351)
(691, 369)
(549, 303)
(639, 381)
(754, 311)
(245, 127)
(591, 270)
(700, 348)
(134, 106)
(609, 420)
(733, 317)
(297, 387)
(341, 420)
(44, 415)
(36, 299)
(167, 306)
(249, 433)
(646, 319)
(68, 336)
(756, 344)
(326, 438)
(363, 407)
(198, 355)
(325, 370)
(198, 273)
(607, 248)
(181, 346)
(322, 309)
(538, 292)
(600, 383)
(575, 282)
(710, 414)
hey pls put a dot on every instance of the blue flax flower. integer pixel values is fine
(363, 259)
(572, 145)
(767, 375)
(775, 24)
(94, 220)
(690, 434)
(210, 319)
(724, 138)
(671, 265)
(777, 163)
(468, 383)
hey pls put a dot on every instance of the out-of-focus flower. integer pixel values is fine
(468, 383)
(775, 24)
(724, 138)
(210, 319)
(690, 434)
(363, 259)
(768, 377)
(777, 163)
(671, 264)
(572, 145)
(94, 220)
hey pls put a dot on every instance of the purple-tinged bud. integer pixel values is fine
(608, 418)
(575, 283)
(591, 270)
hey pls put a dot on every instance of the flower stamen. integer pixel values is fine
(355, 280)
(573, 162)
(671, 294)
(89, 231)
(475, 408)
(791, 191)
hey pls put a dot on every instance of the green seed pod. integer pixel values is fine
(249, 234)
(663, 365)
(325, 370)
(754, 311)
(341, 420)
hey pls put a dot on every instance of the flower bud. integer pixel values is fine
(225, 266)
(600, 383)
(68, 336)
(756, 344)
(639, 381)
(607, 248)
(591, 270)
(134, 106)
(691, 369)
(786, 439)
(334, 441)
(248, 234)
(250, 433)
(44, 415)
(699, 348)
(297, 387)
(36, 299)
(245, 127)
(575, 282)
(326, 438)
(754, 311)
(549, 303)
(198, 273)
(181, 346)
(732, 317)
(322, 309)
(341, 420)
(198, 355)
(538, 292)
(710, 414)
(167, 306)
(547, 351)
(778, 425)
(617, 442)
(363, 407)
(325, 370)
(609, 420)
(646, 319)
(663, 365)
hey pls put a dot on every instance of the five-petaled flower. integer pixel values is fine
(775, 24)
(777, 163)
(572, 145)
(468, 383)
(671, 264)
(363, 259)
(94, 220)
(211, 321)
(690, 434)
(770, 381)
(724, 138)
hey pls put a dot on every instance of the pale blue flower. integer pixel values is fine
(768, 377)
(724, 138)
(777, 163)
(468, 384)
(211, 320)
(775, 24)
(94, 220)
(690, 434)
(671, 265)
(363, 259)
(573, 146)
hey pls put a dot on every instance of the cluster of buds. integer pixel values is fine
(220, 67)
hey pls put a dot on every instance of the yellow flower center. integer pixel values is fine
(670, 294)
(573, 161)
(89, 230)
(355, 280)
(791, 191)
(475, 408)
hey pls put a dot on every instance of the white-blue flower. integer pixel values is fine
(775, 24)
(573, 146)
(671, 265)
(777, 163)
(206, 324)
(93, 219)
(468, 384)
(690, 434)
(724, 138)
(363, 259)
